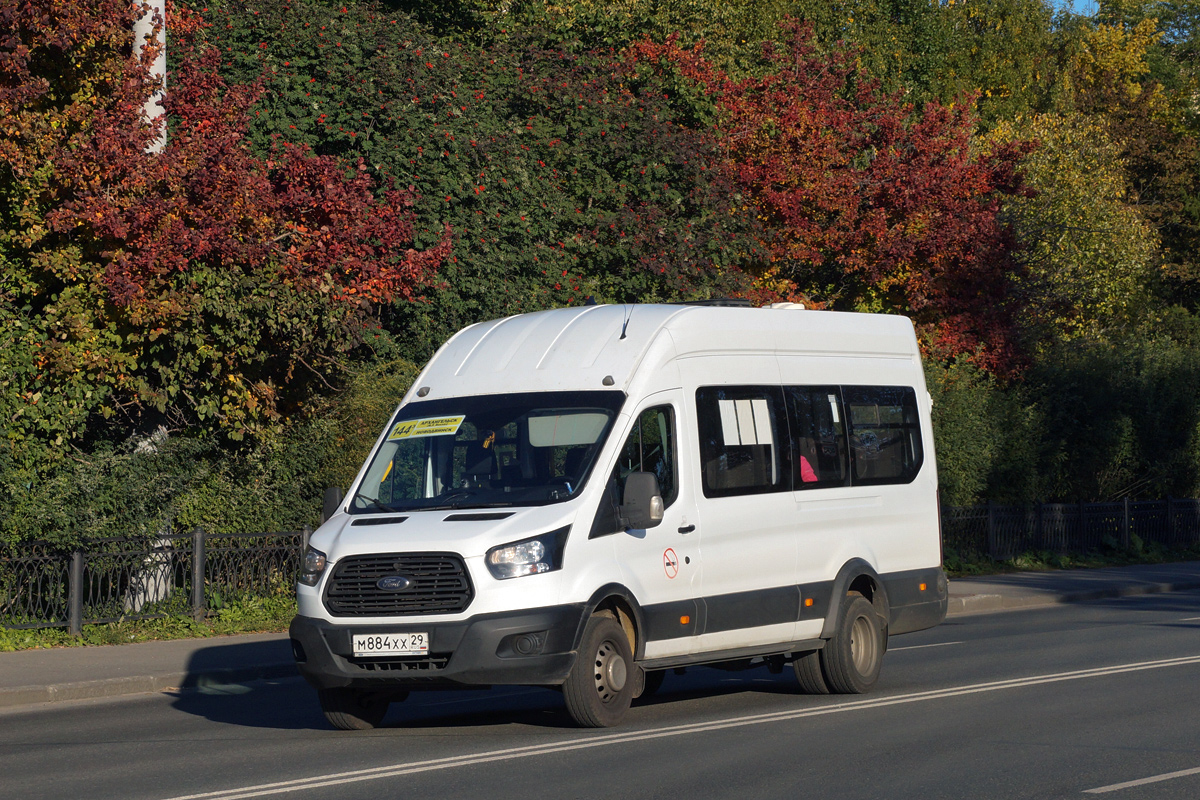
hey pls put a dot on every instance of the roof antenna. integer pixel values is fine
(628, 316)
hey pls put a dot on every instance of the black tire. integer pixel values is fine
(353, 709)
(600, 687)
(851, 660)
(808, 673)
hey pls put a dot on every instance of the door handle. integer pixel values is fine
(687, 529)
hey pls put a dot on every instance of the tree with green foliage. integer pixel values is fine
(1088, 255)
(563, 171)
(988, 435)
(1121, 417)
(1002, 53)
(1005, 50)
(1112, 79)
(732, 30)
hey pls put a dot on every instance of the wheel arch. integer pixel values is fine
(856, 575)
(619, 601)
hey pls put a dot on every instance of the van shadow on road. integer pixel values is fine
(290, 704)
(274, 697)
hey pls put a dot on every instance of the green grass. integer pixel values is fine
(242, 615)
(1041, 561)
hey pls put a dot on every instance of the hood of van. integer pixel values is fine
(467, 532)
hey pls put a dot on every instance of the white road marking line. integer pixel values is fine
(1143, 781)
(1189, 619)
(920, 646)
(604, 740)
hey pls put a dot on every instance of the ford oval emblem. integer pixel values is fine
(394, 583)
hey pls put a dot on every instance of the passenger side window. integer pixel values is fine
(651, 448)
(743, 440)
(818, 437)
(885, 434)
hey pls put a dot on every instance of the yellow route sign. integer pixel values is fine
(433, 426)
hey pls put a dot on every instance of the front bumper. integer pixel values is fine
(534, 647)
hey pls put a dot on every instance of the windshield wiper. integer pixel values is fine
(371, 502)
(457, 506)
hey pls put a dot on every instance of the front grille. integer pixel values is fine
(430, 663)
(440, 585)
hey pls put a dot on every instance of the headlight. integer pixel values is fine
(314, 567)
(529, 556)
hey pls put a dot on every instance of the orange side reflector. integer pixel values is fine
(685, 619)
(923, 587)
(808, 601)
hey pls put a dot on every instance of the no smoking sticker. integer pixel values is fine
(670, 563)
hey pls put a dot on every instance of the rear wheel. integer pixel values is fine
(852, 659)
(808, 673)
(354, 709)
(600, 687)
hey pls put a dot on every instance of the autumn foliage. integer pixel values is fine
(870, 204)
(206, 281)
(208, 200)
(346, 184)
(564, 171)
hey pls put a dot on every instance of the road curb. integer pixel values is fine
(981, 603)
(213, 679)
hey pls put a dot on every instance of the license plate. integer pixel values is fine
(391, 644)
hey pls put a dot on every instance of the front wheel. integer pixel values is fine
(600, 687)
(852, 659)
(352, 709)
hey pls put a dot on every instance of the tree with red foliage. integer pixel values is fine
(204, 280)
(564, 170)
(870, 204)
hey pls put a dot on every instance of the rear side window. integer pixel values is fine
(817, 422)
(743, 440)
(884, 434)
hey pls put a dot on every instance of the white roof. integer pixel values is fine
(573, 349)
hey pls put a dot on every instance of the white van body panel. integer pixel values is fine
(641, 555)
(560, 350)
(720, 577)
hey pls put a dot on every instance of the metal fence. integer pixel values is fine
(109, 580)
(1005, 532)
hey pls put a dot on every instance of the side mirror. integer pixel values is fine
(643, 506)
(331, 501)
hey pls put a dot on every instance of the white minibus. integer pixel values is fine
(585, 497)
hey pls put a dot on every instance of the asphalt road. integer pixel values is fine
(1047, 703)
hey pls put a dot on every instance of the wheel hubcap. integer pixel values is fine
(611, 672)
(862, 645)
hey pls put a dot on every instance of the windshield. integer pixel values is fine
(488, 451)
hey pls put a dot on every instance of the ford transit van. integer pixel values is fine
(585, 497)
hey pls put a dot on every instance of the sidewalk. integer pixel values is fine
(1033, 589)
(77, 673)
